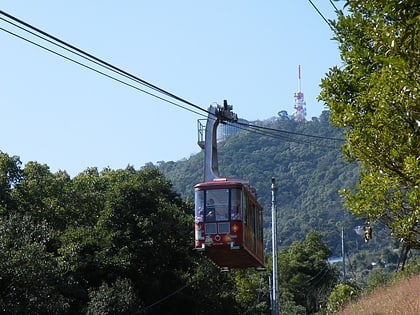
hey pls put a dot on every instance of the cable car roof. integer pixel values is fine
(223, 182)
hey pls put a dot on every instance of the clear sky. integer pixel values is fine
(58, 113)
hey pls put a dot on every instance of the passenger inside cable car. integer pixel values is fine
(218, 207)
(210, 210)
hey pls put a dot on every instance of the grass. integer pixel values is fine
(401, 298)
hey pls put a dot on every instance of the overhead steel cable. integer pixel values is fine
(321, 15)
(270, 134)
(334, 6)
(290, 132)
(60, 46)
(101, 61)
(99, 72)
(146, 308)
(81, 53)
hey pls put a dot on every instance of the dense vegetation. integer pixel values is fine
(309, 171)
(388, 294)
(95, 243)
(374, 97)
(120, 242)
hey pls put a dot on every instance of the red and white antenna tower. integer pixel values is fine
(300, 105)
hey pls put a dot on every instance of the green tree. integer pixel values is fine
(377, 278)
(30, 276)
(252, 291)
(340, 295)
(305, 272)
(212, 291)
(118, 298)
(139, 229)
(10, 175)
(101, 243)
(44, 195)
(374, 97)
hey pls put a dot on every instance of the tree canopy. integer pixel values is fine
(375, 98)
(109, 242)
(114, 241)
(306, 278)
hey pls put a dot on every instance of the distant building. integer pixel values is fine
(283, 115)
(224, 131)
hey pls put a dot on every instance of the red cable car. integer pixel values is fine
(228, 224)
(228, 218)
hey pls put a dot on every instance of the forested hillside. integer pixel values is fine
(308, 165)
(121, 241)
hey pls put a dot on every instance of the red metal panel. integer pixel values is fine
(233, 238)
(228, 250)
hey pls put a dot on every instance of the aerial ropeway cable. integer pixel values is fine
(30, 29)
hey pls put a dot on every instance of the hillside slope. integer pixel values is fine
(309, 170)
(400, 298)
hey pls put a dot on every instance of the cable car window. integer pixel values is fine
(236, 205)
(224, 228)
(199, 206)
(210, 228)
(217, 205)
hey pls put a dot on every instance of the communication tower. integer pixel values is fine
(300, 105)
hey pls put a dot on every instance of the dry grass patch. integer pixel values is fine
(402, 298)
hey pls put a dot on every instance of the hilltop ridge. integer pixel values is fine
(309, 168)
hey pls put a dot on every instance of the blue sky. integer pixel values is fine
(70, 118)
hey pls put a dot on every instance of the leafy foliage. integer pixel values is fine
(101, 243)
(120, 240)
(375, 99)
(29, 274)
(340, 295)
(118, 298)
(304, 271)
(309, 173)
